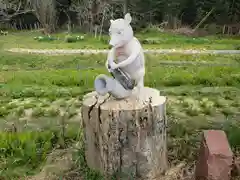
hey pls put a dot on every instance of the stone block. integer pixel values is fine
(215, 158)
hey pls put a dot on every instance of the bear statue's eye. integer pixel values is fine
(119, 32)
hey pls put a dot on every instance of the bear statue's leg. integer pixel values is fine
(139, 83)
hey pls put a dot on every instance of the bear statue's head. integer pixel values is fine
(120, 31)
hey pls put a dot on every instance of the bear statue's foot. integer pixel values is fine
(138, 92)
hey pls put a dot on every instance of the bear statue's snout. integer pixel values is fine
(116, 40)
(116, 43)
(112, 42)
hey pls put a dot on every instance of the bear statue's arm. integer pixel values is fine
(135, 53)
(110, 58)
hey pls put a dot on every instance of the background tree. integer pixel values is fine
(46, 13)
(94, 15)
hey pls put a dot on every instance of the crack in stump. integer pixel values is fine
(105, 150)
(99, 108)
(121, 144)
(91, 107)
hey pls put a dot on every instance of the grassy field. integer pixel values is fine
(152, 40)
(41, 100)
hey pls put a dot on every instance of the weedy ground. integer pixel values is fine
(40, 102)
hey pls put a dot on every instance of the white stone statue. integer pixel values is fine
(125, 62)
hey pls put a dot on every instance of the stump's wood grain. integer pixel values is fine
(126, 136)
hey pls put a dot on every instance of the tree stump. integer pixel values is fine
(126, 137)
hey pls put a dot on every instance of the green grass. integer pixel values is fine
(154, 40)
(9, 61)
(40, 97)
(61, 71)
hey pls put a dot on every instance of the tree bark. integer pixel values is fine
(127, 137)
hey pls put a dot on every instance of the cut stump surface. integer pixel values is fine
(127, 137)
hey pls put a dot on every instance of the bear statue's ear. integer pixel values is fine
(111, 21)
(128, 18)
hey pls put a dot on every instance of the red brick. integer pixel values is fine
(215, 158)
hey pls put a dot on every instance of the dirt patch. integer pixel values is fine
(181, 171)
(2, 79)
(91, 51)
(58, 163)
(190, 32)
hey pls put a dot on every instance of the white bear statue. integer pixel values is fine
(125, 62)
